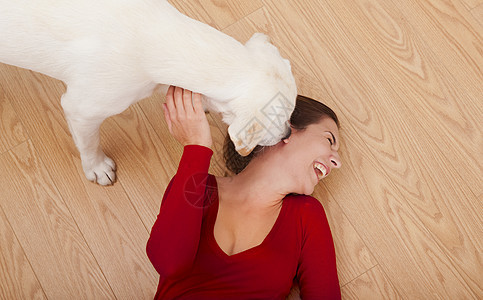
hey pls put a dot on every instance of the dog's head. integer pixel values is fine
(262, 117)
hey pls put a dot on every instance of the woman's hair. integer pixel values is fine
(307, 111)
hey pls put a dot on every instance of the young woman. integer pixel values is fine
(255, 234)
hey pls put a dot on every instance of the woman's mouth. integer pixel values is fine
(321, 170)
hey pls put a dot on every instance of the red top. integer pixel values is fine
(183, 250)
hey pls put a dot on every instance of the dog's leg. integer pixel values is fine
(84, 124)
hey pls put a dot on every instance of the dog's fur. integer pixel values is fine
(112, 53)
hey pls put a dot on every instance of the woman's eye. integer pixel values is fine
(330, 141)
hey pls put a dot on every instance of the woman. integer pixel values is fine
(250, 236)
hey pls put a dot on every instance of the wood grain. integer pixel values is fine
(402, 245)
(46, 230)
(455, 36)
(217, 13)
(477, 13)
(11, 129)
(457, 28)
(471, 4)
(17, 277)
(371, 285)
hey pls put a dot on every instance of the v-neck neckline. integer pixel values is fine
(213, 215)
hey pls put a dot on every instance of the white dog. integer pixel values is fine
(112, 53)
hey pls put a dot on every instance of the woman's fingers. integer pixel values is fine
(192, 102)
(170, 100)
(197, 106)
(187, 101)
(178, 101)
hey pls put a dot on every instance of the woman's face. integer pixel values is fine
(313, 154)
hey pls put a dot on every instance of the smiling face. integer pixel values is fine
(313, 154)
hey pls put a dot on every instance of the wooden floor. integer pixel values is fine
(405, 77)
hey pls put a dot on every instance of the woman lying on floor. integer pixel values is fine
(255, 234)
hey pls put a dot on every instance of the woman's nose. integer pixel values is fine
(335, 160)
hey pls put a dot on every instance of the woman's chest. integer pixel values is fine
(236, 231)
(269, 267)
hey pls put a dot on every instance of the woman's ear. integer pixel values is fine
(286, 139)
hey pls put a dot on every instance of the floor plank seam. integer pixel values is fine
(365, 272)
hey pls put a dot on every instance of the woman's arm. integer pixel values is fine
(317, 271)
(175, 235)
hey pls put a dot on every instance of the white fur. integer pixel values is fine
(112, 53)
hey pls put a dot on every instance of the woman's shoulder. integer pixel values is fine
(308, 211)
(303, 202)
(305, 208)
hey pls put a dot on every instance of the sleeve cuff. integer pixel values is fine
(198, 148)
(195, 159)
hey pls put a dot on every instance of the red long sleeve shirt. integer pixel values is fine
(183, 250)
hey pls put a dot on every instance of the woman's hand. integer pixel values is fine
(186, 118)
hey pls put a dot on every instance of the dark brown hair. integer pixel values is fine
(307, 111)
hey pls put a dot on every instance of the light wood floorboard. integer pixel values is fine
(373, 285)
(478, 13)
(46, 230)
(11, 127)
(471, 4)
(406, 79)
(20, 281)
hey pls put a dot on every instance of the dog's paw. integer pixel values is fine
(103, 173)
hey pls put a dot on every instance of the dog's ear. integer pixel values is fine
(246, 135)
(287, 63)
(258, 39)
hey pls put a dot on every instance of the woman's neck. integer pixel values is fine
(262, 184)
